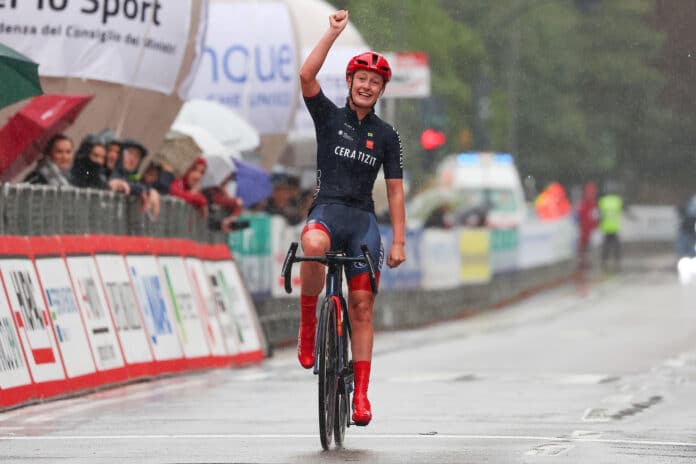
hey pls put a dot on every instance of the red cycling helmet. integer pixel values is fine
(370, 61)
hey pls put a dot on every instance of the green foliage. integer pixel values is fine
(574, 94)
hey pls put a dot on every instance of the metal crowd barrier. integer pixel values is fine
(46, 210)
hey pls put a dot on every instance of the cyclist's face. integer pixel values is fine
(367, 87)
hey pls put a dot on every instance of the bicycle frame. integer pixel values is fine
(334, 289)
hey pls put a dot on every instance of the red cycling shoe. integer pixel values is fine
(308, 331)
(362, 410)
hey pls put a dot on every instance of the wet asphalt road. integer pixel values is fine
(601, 370)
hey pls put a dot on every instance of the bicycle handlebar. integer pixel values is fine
(329, 258)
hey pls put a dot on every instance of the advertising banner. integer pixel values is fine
(33, 319)
(474, 246)
(159, 320)
(124, 307)
(134, 42)
(250, 63)
(408, 274)
(282, 235)
(503, 250)
(534, 239)
(67, 321)
(186, 308)
(226, 331)
(235, 302)
(95, 312)
(410, 75)
(251, 248)
(440, 260)
(14, 371)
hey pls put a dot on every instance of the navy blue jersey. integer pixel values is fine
(351, 152)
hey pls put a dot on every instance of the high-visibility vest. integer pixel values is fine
(610, 209)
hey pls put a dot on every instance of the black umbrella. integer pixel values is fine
(19, 76)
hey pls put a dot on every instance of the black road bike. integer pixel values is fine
(332, 360)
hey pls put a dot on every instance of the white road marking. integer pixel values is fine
(361, 437)
(88, 403)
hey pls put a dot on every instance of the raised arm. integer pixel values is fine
(310, 68)
(397, 212)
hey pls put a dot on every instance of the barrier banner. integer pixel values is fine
(408, 274)
(282, 235)
(193, 338)
(249, 62)
(139, 43)
(504, 244)
(474, 246)
(235, 303)
(159, 320)
(206, 304)
(441, 263)
(251, 248)
(95, 312)
(124, 308)
(31, 315)
(15, 381)
(534, 239)
(78, 358)
(216, 304)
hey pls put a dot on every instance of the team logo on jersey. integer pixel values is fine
(345, 135)
(370, 143)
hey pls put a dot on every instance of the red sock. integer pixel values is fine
(308, 303)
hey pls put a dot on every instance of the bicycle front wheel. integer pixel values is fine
(327, 372)
(343, 397)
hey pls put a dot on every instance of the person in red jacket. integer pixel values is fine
(187, 187)
(588, 217)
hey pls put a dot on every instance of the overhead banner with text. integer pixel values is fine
(135, 42)
(250, 63)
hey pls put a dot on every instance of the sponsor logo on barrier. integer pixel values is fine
(11, 358)
(123, 305)
(23, 286)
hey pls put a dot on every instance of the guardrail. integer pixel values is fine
(30, 210)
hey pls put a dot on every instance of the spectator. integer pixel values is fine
(54, 167)
(132, 154)
(440, 218)
(113, 155)
(218, 195)
(610, 216)
(285, 199)
(88, 169)
(230, 206)
(588, 218)
(187, 187)
(158, 176)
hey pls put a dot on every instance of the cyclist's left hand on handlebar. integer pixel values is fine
(396, 255)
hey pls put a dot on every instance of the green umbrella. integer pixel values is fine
(19, 76)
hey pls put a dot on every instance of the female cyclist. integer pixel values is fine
(352, 145)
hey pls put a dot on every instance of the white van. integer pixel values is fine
(475, 181)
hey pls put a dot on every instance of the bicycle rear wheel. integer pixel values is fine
(327, 373)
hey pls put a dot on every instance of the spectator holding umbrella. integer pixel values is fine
(54, 167)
